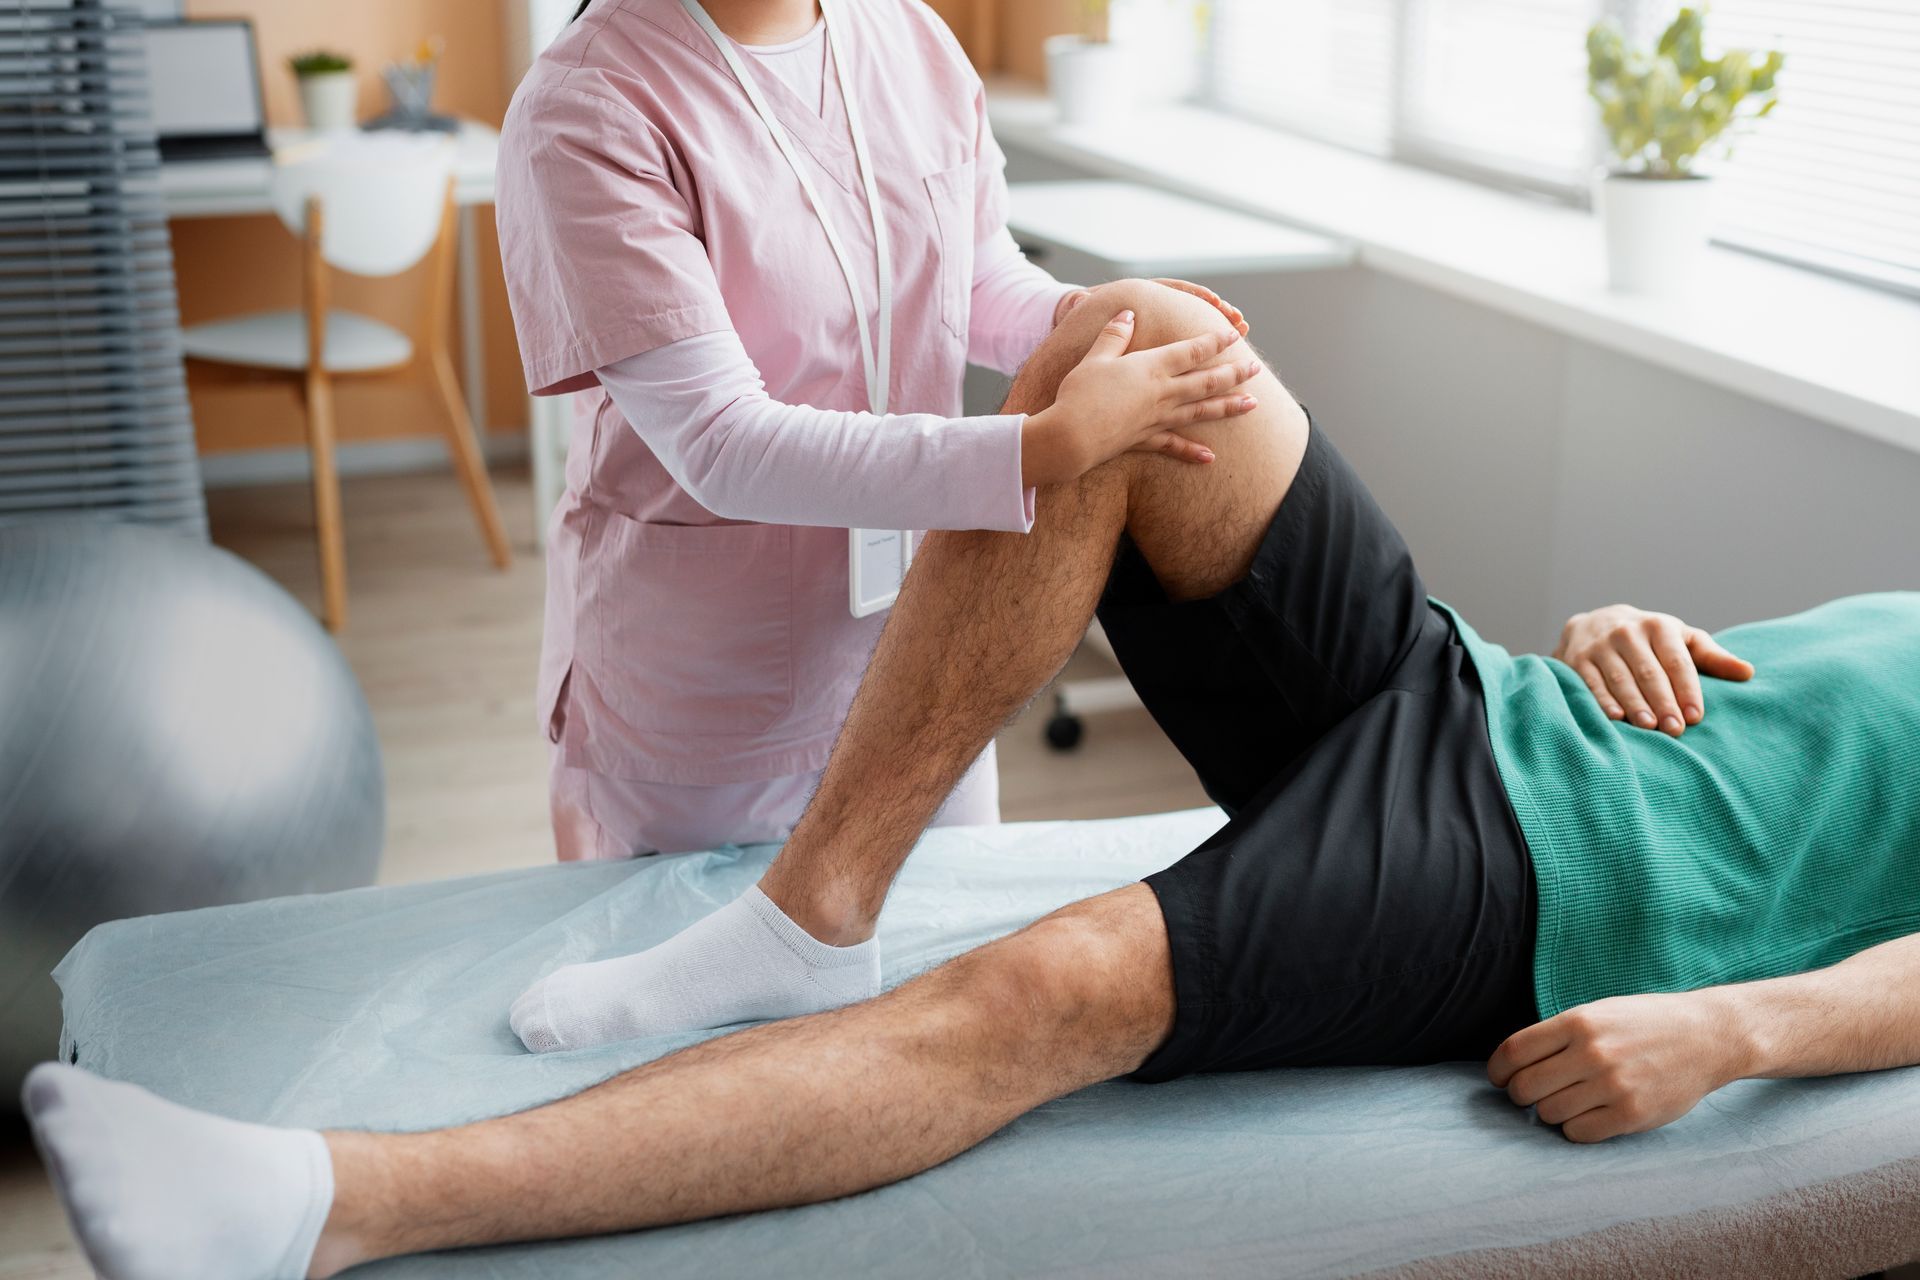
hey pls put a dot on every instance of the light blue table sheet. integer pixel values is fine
(386, 1008)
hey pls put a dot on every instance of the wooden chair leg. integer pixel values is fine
(326, 501)
(467, 460)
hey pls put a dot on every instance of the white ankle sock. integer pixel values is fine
(158, 1192)
(745, 962)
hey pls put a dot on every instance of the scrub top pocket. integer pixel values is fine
(694, 623)
(952, 194)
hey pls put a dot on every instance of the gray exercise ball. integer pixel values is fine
(175, 732)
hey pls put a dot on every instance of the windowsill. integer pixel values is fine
(1832, 350)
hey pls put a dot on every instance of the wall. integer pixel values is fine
(232, 265)
(1535, 475)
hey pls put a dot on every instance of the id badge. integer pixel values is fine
(877, 562)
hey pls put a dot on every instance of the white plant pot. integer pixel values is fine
(1088, 80)
(331, 101)
(1656, 232)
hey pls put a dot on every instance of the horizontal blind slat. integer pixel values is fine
(93, 410)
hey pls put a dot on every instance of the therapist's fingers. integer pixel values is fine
(1192, 353)
(1212, 409)
(1171, 445)
(1218, 303)
(1204, 383)
(1111, 342)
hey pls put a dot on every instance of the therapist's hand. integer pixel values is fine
(1117, 401)
(1645, 668)
(1071, 300)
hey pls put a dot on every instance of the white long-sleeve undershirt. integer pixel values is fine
(702, 408)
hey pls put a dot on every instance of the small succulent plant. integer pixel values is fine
(319, 63)
(1663, 107)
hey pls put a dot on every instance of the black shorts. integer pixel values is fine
(1371, 899)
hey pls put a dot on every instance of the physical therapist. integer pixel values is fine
(767, 236)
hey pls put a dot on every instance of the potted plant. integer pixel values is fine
(329, 93)
(1087, 71)
(1662, 109)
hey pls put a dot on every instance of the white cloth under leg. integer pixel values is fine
(156, 1191)
(596, 816)
(746, 962)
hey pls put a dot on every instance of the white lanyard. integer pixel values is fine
(876, 558)
(875, 355)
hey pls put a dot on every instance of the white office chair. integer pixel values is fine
(371, 206)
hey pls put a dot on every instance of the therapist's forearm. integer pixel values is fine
(700, 406)
(1862, 1014)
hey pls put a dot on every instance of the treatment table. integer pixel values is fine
(387, 1008)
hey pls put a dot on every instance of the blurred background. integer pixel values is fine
(1606, 299)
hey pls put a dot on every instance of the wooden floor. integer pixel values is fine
(445, 648)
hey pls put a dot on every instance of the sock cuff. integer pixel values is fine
(821, 955)
(300, 1249)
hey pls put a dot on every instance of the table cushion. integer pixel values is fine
(386, 1008)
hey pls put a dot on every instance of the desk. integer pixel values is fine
(230, 188)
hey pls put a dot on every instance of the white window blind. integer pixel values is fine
(1496, 89)
(1323, 67)
(1832, 177)
(1499, 87)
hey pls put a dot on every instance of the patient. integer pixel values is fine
(1435, 851)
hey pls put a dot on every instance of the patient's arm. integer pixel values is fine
(1632, 1063)
(1645, 668)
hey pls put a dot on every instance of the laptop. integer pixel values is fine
(205, 79)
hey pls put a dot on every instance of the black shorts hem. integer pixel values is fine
(1191, 941)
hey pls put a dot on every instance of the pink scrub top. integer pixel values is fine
(642, 202)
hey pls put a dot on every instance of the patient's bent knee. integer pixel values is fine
(1161, 314)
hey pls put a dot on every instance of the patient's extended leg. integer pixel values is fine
(788, 1113)
(983, 622)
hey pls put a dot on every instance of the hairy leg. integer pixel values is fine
(986, 619)
(983, 621)
(788, 1113)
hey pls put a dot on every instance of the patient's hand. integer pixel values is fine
(1645, 668)
(1623, 1065)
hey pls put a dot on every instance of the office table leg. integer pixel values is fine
(473, 338)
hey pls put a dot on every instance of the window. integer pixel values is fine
(1833, 178)
(1323, 67)
(1499, 87)
(1496, 90)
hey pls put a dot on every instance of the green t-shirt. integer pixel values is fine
(1779, 835)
